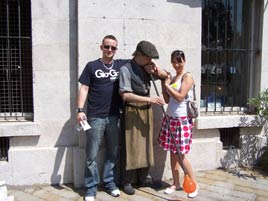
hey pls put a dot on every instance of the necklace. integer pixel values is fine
(108, 68)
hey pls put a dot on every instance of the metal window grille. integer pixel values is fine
(227, 53)
(4, 146)
(230, 137)
(16, 96)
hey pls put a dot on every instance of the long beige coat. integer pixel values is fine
(139, 135)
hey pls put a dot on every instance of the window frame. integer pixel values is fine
(16, 83)
(220, 106)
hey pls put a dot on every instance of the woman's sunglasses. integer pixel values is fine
(107, 47)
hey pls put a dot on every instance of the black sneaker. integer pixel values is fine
(157, 185)
(148, 182)
(128, 189)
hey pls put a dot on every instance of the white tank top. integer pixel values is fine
(176, 108)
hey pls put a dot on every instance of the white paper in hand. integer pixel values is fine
(85, 125)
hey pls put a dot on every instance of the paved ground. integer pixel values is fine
(215, 185)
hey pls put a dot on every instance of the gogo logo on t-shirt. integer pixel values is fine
(113, 74)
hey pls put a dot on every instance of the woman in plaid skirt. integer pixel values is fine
(177, 90)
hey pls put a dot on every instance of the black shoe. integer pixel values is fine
(128, 189)
(157, 185)
(148, 182)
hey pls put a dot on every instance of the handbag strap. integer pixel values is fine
(194, 93)
(193, 87)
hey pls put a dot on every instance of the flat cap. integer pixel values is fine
(147, 48)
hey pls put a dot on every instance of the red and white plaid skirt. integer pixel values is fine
(182, 128)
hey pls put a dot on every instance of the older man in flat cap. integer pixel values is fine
(137, 121)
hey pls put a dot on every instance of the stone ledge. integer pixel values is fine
(9, 129)
(210, 122)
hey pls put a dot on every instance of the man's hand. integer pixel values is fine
(80, 117)
(151, 68)
(157, 100)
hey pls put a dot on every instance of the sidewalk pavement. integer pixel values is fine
(215, 185)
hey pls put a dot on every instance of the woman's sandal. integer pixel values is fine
(170, 190)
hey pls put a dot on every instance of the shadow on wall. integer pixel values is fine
(159, 154)
(252, 144)
(64, 155)
(190, 3)
(68, 136)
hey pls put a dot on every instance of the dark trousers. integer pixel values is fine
(132, 176)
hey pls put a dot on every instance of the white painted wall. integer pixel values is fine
(264, 52)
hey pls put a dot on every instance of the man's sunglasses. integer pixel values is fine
(107, 47)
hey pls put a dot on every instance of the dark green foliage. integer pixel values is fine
(261, 103)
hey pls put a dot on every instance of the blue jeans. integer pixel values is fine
(109, 129)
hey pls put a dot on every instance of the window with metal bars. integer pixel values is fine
(16, 96)
(230, 137)
(230, 40)
(4, 146)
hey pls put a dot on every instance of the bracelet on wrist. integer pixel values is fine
(79, 110)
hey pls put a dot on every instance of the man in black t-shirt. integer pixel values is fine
(99, 86)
